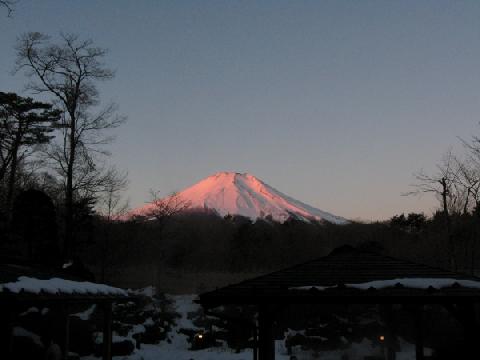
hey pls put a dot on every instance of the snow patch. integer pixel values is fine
(58, 285)
(147, 291)
(31, 310)
(414, 283)
(20, 331)
(85, 315)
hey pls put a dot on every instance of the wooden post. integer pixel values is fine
(255, 343)
(390, 338)
(66, 340)
(266, 342)
(418, 315)
(7, 327)
(468, 319)
(107, 331)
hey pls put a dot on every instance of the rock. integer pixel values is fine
(153, 335)
(25, 349)
(122, 348)
(81, 340)
(119, 348)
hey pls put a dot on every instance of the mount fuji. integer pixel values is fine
(230, 193)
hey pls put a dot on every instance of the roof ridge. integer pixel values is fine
(348, 249)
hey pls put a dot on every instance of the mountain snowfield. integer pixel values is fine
(230, 193)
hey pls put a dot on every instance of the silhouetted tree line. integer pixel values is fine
(456, 185)
(206, 242)
(167, 238)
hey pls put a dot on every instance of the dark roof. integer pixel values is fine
(345, 265)
(10, 273)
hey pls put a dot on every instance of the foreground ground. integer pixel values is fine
(177, 344)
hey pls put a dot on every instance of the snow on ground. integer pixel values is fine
(184, 304)
(414, 283)
(159, 352)
(30, 310)
(58, 285)
(166, 351)
(178, 348)
(85, 315)
(20, 331)
(147, 291)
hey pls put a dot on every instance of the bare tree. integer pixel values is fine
(112, 207)
(467, 183)
(470, 170)
(69, 71)
(9, 5)
(469, 177)
(163, 209)
(442, 185)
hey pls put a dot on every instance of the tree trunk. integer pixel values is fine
(266, 342)
(418, 319)
(69, 234)
(12, 176)
(450, 241)
(105, 248)
(107, 331)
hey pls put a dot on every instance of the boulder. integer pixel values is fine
(122, 348)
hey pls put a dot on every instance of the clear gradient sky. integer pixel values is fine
(335, 103)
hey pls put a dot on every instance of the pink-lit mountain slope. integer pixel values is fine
(243, 194)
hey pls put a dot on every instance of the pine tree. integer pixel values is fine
(24, 123)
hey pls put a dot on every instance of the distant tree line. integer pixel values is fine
(168, 238)
(456, 185)
(205, 242)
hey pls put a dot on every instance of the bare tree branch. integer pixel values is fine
(69, 71)
(9, 5)
(163, 209)
(442, 183)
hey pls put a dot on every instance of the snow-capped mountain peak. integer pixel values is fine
(231, 193)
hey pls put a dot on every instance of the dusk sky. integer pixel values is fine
(335, 103)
